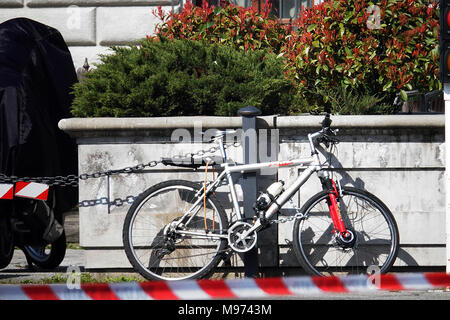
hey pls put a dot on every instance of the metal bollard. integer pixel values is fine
(249, 183)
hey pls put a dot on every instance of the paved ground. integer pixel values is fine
(18, 273)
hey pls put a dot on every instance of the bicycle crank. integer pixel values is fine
(236, 240)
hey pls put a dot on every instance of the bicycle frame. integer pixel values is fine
(309, 164)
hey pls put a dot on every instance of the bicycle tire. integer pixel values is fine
(191, 258)
(316, 245)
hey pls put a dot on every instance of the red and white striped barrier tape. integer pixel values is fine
(23, 189)
(222, 289)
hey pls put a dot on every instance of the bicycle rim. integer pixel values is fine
(374, 249)
(175, 257)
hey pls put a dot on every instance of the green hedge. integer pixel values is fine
(159, 77)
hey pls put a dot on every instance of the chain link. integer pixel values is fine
(298, 215)
(104, 201)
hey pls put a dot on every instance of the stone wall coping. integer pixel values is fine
(77, 126)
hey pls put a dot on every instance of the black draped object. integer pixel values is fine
(36, 76)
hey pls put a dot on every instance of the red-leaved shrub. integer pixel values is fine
(229, 24)
(336, 45)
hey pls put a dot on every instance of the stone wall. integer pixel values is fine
(90, 27)
(398, 158)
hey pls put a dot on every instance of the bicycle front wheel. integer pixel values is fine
(376, 237)
(162, 243)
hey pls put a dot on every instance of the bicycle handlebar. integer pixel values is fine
(326, 135)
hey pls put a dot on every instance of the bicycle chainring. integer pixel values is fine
(235, 240)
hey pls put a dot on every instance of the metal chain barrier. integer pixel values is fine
(73, 180)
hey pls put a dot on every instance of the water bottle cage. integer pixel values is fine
(261, 203)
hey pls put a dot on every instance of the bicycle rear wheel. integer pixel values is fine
(157, 250)
(376, 236)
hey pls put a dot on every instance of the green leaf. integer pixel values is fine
(316, 43)
(348, 15)
(348, 52)
(311, 27)
(307, 48)
(435, 52)
(318, 69)
(387, 85)
(403, 95)
(341, 29)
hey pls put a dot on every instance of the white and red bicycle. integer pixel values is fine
(179, 230)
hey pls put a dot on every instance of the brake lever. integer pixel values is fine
(330, 132)
(328, 137)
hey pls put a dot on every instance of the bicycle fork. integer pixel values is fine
(335, 213)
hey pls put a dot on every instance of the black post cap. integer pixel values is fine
(249, 111)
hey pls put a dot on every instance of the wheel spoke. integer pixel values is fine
(156, 249)
(374, 228)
